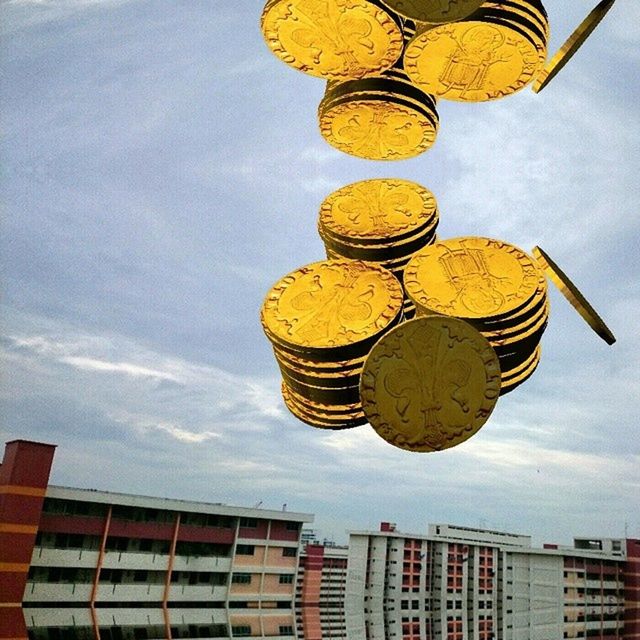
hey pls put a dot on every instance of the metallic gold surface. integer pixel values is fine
(333, 39)
(571, 46)
(430, 384)
(434, 11)
(573, 295)
(472, 60)
(510, 383)
(330, 305)
(377, 128)
(474, 278)
(319, 419)
(371, 210)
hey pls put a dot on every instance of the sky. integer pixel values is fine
(162, 169)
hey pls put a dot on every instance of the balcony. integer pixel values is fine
(58, 592)
(202, 563)
(135, 561)
(130, 592)
(197, 593)
(81, 558)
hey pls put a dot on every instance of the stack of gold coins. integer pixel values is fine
(384, 117)
(492, 53)
(322, 320)
(433, 11)
(495, 287)
(333, 39)
(384, 220)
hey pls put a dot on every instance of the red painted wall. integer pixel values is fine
(24, 475)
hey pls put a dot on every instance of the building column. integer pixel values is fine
(24, 476)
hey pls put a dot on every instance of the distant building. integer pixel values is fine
(91, 564)
(457, 583)
(320, 592)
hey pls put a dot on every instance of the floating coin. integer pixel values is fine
(319, 419)
(434, 11)
(509, 383)
(381, 118)
(331, 305)
(573, 295)
(571, 46)
(333, 39)
(472, 60)
(430, 384)
(474, 278)
(372, 210)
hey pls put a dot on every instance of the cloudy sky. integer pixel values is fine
(161, 169)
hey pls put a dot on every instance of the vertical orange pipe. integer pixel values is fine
(167, 582)
(96, 579)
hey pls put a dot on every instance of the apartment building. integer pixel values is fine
(320, 592)
(458, 583)
(78, 563)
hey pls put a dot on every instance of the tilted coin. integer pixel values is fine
(371, 210)
(434, 11)
(471, 277)
(573, 295)
(571, 46)
(330, 305)
(471, 60)
(333, 39)
(430, 384)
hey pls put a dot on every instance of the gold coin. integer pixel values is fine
(569, 48)
(434, 11)
(474, 278)
(371, 210)
(471, 61)
(335, 410)
(330, 305)
(324, 395)
(317, 420)
(511, 383)
(377, 128)
(334, 380)
(333, 39)
(312, 366)
(520, 368)
(382, 118)
(430, 384)
(573, 295)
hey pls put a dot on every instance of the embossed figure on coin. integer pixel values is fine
(430, 383)
(468, 272)
(470, 62)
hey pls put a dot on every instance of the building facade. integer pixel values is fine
(79, 563)
(320, 592)
(457, 583)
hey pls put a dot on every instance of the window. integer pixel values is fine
(251, 523)
(286, 579)
(293, 526)
(241, 630)
(245, 550)
(286, 630)
(289, 552)
(241, 578)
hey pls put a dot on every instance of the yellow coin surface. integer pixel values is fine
(330, 304)
(571, 46)
(333, 39)
(434, 11)
(471, 61)
(430, 384)
(379, 208)
(471, 277)
(377, 129)
(574, 296)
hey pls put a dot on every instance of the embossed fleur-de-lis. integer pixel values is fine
(374, 130)
(331, 24)
(375, 207)
(327, 311)
(416, 388)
